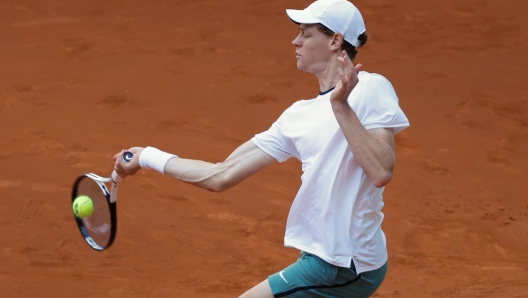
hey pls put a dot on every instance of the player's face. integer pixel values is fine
(313, 49)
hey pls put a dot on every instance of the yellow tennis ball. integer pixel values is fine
(83, 206)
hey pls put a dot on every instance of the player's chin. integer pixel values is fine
(301, 66)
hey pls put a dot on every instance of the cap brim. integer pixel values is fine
(300, 17)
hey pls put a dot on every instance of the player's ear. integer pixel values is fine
(336, 41)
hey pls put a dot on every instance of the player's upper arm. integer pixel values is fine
(381, 170)
(384, 134)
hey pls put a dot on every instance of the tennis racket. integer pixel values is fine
(99, 229)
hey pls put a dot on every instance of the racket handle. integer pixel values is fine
(115, 177)
(127, 157)
(113, 189)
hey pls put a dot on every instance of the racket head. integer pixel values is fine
(99, 229)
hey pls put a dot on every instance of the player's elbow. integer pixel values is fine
(220, 182)
(218, 186)
(382, 178)
(221, 185)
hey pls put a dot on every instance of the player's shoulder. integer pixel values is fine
(372, 77)
(301, 103)
(375, 80)
(293, 109)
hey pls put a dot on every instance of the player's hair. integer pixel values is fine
(346, 46)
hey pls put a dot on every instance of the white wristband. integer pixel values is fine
(153, 158)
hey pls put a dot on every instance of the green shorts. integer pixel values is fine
(310, 276)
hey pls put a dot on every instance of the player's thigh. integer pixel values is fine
(262, 290)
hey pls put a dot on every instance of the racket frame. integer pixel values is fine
(111, 198)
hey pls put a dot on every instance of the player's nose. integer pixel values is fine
(296, 41)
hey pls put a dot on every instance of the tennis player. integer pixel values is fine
(344, 138)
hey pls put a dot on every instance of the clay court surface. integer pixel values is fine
(81, 80)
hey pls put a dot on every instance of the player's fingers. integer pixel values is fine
(129, 166)
(120, 172)
(115, 156)
(345, 56)
(347, 62)
(342, 76)
(358, 67)
(121, 169)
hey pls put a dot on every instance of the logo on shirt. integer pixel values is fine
(282, 276)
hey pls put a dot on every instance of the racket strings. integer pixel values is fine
(98, 225)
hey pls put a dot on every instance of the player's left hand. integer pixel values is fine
(348, 79)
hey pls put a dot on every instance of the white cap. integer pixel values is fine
(340, 16)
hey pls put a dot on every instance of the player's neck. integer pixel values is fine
(329, 77)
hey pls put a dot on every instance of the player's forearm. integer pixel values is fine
(245, 161)
(374, 155)
(200, 173)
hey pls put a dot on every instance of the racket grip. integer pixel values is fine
(115, 177)
(113, 190)
(127, 157)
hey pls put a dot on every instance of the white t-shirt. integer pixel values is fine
(336, 214)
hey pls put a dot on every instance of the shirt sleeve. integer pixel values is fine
(273, 142)
(383, 110)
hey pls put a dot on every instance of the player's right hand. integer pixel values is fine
(123, 168)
